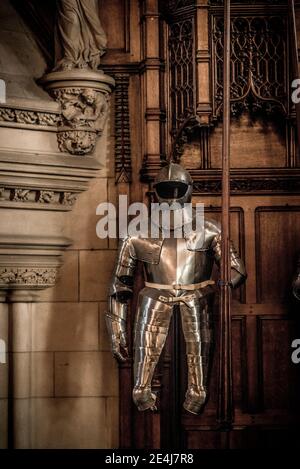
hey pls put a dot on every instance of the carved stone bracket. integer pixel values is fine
(84, 99)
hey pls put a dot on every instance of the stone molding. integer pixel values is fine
(17, 277)
(14, 117)
(30, 248)
(30, 262)
(50, 182)
(37, 198)
(25, 113)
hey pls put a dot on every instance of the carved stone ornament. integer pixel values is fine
(29, 117)
(28, 276)
(84, 99)
(51, 198)
(30, 263)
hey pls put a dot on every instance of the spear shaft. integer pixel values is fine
(225, 371)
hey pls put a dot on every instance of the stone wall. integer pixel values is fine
(73, 386)
(63, 379)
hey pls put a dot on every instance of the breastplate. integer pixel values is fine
(179, 265)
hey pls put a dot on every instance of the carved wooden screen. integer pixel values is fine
(259, 73)
(182, 72)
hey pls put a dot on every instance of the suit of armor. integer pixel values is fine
(177, 271)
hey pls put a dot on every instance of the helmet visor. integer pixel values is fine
(171, 189)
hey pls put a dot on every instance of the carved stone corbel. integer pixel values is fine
(83, 96)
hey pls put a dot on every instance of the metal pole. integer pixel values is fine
(225, 373)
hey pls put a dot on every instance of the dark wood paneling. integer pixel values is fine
(261, 143)
(203, 439)
(115, 20)
(237, 228)
(277, 231)
(279, 438)
(246, 438)
(279, 382)
(239, 362)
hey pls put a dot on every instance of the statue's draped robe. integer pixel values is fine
(80, 38)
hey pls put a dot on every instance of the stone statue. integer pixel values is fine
(80, 40)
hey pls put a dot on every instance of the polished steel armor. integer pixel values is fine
(177, 271)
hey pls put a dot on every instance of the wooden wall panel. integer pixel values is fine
(115, 21)
(203, 439)
(279, 438)
(239, 362)
(254, 144)
(277, 247)
(279, 384)
(244, 437)
(237, 227)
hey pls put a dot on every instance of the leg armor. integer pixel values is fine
(197, 329)
(151, 329)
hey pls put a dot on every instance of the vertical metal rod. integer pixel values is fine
(225, 373)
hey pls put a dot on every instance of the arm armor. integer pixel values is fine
(121, 290)
(238, 271)
(121, 287)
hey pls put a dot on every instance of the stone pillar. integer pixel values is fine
(3, 371)
(21, 310)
